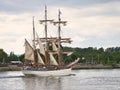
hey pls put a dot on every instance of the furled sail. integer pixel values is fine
(42, 50)
(68, 53)
(54, 47)
(40, 61)
(73, 63)
(29, 52)
(52, 60)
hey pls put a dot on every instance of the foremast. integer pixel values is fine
(34, 46)
(30, 51)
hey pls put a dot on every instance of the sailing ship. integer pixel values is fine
(47, 59)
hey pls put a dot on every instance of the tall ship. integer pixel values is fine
(44, 56)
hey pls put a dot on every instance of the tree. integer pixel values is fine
(13, 57)
(3, 56)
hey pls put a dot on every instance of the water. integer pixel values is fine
(97, 79)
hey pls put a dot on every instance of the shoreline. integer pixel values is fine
(10, 68)
(75, 67)
(95, 66)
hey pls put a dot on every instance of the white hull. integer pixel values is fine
(61, 72)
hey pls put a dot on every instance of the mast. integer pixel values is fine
(33, 34)
(34, 47)
(45, 21)
(46, 45)
(59, 22)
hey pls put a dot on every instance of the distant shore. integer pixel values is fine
(10, 68)
(95, 66)
(75, 67)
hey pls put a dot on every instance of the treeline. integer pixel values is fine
(88, 55)
(6, 58)
(92, 55)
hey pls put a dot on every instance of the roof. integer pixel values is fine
(15, 61)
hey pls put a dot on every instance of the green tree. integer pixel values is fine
(3, 56)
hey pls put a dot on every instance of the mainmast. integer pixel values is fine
(59, 22)
(45, 21)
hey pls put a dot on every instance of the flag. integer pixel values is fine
(60, 12)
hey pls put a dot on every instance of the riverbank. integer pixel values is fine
(95, 66)
(10, 68)
(75, 67)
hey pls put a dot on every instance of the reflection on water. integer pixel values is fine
(11, 81)
(42, 83)
(9, 74)
(83, 80)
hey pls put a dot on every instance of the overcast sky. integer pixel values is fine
(91, 23)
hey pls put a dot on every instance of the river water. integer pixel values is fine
(95, 79)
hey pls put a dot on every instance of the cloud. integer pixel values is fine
(95, 25)
(20, 6)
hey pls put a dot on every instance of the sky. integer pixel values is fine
(90, 23)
